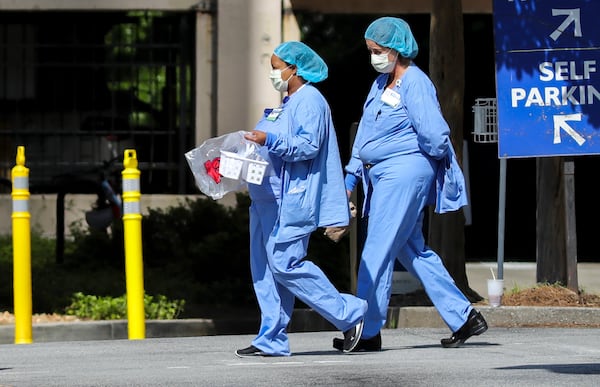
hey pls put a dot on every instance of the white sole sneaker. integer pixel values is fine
(352, 337)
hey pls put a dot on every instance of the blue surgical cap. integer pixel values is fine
(309, 64)
(393, 32)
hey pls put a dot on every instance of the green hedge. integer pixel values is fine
(197, 251)
(115, 308)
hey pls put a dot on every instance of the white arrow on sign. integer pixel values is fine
(572, 17)
(560, 122)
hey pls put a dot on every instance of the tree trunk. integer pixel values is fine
(556, 254)
(446, 69)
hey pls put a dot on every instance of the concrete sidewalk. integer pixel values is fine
(517, 276)
(521, 275)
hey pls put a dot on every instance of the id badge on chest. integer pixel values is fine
(390, 98)
(274, 114)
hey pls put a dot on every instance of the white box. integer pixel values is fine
(234, 166)
(255, 171)
(230, 165)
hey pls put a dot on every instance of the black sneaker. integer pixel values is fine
(352, 336)
(249, 352)
(474, 326)
(364, 345)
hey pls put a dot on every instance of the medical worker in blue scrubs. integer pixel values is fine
(403, 155)
(303, 191)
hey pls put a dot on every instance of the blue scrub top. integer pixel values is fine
(411, 123)
(306, 170)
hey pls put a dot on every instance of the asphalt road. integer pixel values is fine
(411, 357)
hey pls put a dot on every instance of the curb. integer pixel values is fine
(306, 320)
(118, 330)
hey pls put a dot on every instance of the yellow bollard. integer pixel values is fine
(132, 226)
(21, 228)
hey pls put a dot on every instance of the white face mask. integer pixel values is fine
(381, 62)
(278, 83)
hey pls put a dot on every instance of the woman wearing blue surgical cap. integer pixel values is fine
(403, 155)
(304, 191)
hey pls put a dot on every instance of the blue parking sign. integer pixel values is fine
(547, 77)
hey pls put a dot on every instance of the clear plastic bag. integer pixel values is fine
(205, 163)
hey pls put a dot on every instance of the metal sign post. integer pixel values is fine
(486, 131)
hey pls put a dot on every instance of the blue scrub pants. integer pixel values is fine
(398, 192)
(280, 274)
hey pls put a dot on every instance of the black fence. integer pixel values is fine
(77, 89)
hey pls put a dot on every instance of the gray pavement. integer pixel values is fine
(518, 350)
(411, 357)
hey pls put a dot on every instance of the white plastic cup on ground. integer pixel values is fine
(495, 291)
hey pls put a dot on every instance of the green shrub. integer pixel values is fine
(115, 308)
(162, 308)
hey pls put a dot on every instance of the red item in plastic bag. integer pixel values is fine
(212, 169)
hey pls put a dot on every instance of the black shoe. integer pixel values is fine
(250, 351)
(474, 326)
(366, 345)
(352, 336)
